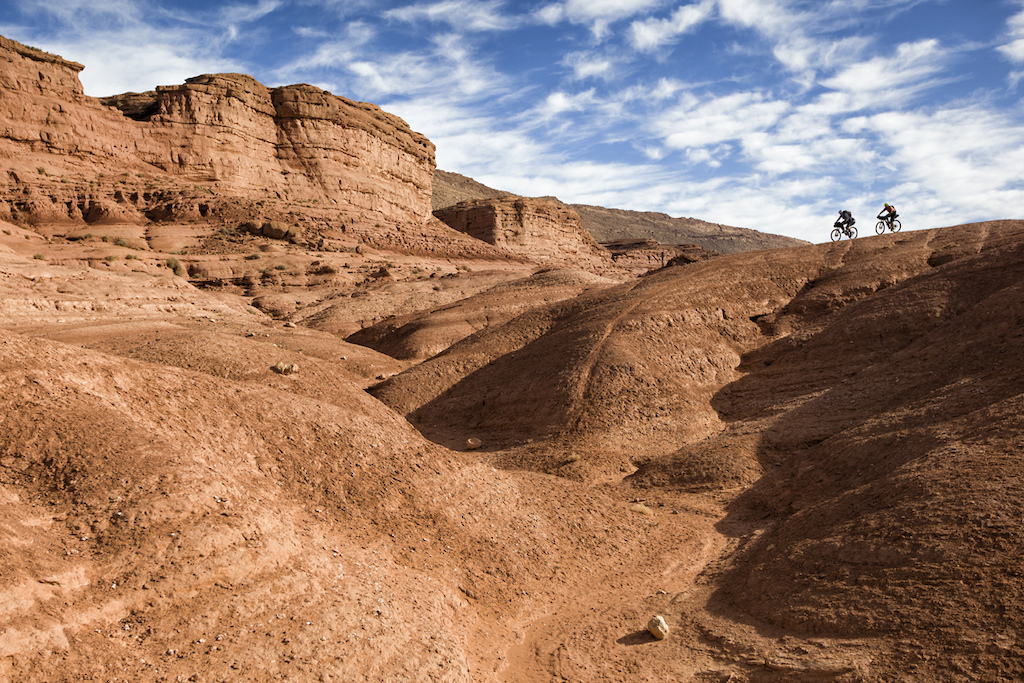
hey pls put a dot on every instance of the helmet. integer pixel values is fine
(887, 205)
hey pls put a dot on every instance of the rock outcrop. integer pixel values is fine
(541, 229)
(223, 130)
(43, 108)
(642, 255)
(306, 142)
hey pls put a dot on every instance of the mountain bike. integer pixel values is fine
(841, 230)
(891, 223)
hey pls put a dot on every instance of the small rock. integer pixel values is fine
(658, 627)
(473, 443)
(285, 368)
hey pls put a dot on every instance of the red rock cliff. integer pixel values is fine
(299, 142)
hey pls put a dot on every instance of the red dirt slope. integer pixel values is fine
(877, 387)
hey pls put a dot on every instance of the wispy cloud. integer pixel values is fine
(598, 15)
(140, 62)
(71, 11)
(958, 152)
(649, 34)
(696, 122)
(1013, 48)
(233, 17)
(412, 74)
(473, 142)
(558, 103)
(909, 69)
(462, 15)
(590, 65)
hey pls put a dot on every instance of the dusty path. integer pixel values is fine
(596, 631)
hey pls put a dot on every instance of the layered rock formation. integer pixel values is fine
(306, 142)
(541, 229)
(224, 130)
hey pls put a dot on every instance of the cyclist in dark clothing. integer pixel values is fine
(845, 220)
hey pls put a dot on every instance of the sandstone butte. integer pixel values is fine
(265, 417)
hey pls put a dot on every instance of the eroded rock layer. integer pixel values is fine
(541, 229)
(302, 143)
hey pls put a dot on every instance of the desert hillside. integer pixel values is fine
(616, 225)
(265, 417)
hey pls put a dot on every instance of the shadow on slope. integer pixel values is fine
(891, 432)
(626, 375)
(612, 377)
(420, 335)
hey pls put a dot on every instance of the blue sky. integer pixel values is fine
(768, 114)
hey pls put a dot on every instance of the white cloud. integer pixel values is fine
(598, 15)
(410, 74)
(588, 65)
(653, 153)
(849, 155)
(1013, 49)
(234, 15)
(908, 69)
(958, 153)
(474, 144)
(787, 31)
(558, 103)
(448, 67)
(650, 34)
(145, 61)
(550, 14)
(127, 45)
(326, 54)
(85, 11)
(663, 90)
(706, 155)
(696, 123)
(246, 13)
(462, 15)
(584, 11)
(804, 42)
(583, 182)
(768, 16)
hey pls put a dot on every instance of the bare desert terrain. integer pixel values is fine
(266, 418)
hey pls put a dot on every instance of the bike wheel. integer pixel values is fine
(836, 234)
(896, 226)
(880, 227)
(853, 233)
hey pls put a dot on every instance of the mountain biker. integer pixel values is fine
(845, 220)
(888, 214)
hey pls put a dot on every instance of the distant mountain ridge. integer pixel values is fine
(612, 225)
